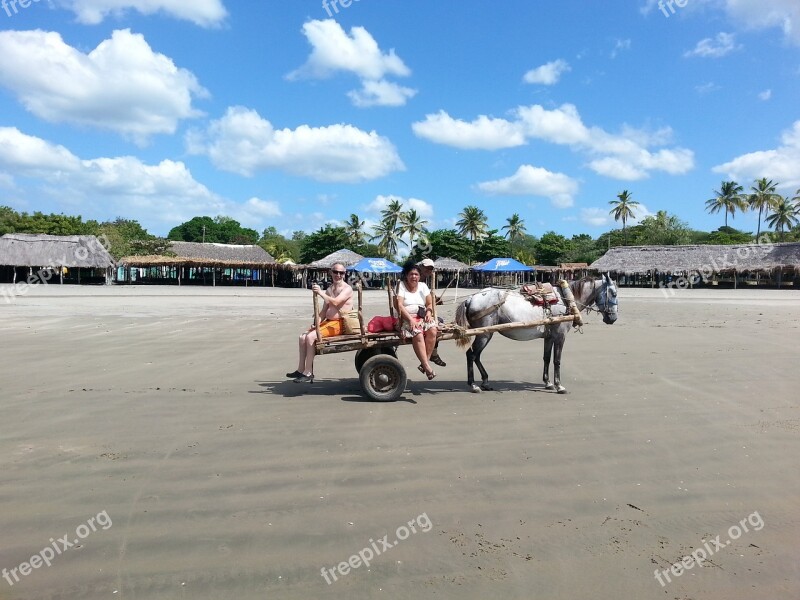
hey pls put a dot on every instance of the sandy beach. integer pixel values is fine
(167, 410)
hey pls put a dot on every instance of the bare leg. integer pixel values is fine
(418, 343)
(301, 363)
(430, 341)
(309, 353)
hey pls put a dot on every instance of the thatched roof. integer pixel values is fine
(719, 259)
(347, 257)
(573, 266)
(39, 250)
(193, 254)
(449, 264)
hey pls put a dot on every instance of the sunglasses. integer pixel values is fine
(338, 272)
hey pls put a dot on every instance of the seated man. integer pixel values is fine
(426, 269)
(338, 299)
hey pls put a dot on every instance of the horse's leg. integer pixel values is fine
(548, 350)
(471, 370)
(560, 336)
(477, 347)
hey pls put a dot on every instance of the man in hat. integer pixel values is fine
(426, 270)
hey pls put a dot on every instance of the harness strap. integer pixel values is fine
(492, 308)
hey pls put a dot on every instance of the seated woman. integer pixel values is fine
(338, 300)
(414, 303)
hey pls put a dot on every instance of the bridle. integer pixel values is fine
(608, 304)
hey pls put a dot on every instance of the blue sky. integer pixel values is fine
(290, 114)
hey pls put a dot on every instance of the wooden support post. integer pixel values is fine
(360, 289)
(433, 295)
(316, 317)
(566, 291)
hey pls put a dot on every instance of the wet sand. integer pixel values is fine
(168, 410)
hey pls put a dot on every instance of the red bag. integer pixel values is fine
(378, 324)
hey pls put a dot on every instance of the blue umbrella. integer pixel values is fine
(375, 265)
(503, 265)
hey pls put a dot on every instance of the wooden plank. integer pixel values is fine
(517, 325)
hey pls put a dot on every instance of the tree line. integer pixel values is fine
(405, 231)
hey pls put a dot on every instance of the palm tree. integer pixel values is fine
(412, 224)
(784, 216)
(388, 236)
(623, 210)
(472, 223)
(354, 228)
(763, 196)
(728, 197)
(392, 212)
(516, 227)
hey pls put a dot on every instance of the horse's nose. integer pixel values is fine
(609, 318)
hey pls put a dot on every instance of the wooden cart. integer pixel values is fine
(382, 376)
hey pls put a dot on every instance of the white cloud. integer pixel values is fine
(721, 45)
(547, 74)
(706, 88)
(595, 217)
(765, 95)
(205, 13)
(620, 46)
(334, 51)
(781, 164)
(624, 156)
(535, 181)
(243, 142)
(122, 85)
(166, 190)
(484, 133)
(750, 14)
(380, 93)
(766, 14)
(423, 208)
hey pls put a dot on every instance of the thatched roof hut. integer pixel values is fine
(347, 257)
(449, 264)
(39, 250)
(193, 254)
(762, 258)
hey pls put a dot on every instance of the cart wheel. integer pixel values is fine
(362, 356)
(383, 378)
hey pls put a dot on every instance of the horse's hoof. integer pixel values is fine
(562, 390)
(549, 386)
(487, 388)
(475, 389)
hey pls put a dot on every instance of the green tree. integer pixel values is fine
(663, 230)
(763, 197)
(623, 210)
(491, 246)
(413, 224)
(449, 243)
(388, 236)
(553, 248)
(515, 227)
(725, 236)
(728, 198)
(278, 246)
(472, 223)
(784, 216)
(321, 243)
(355, 230)
(582, 248)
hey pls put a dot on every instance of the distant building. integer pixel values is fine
(54, 259)
(732, 265)
(192, 263)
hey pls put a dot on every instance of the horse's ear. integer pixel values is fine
(608, 276)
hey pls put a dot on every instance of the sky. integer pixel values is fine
(297, 113)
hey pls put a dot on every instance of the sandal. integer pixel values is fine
(430, 375)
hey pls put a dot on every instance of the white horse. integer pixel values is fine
(495, 306)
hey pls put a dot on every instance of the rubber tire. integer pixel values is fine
(362, 356)
(388, 366)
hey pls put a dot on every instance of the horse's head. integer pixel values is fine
(606, 300)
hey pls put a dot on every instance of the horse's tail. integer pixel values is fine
(462, 341)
